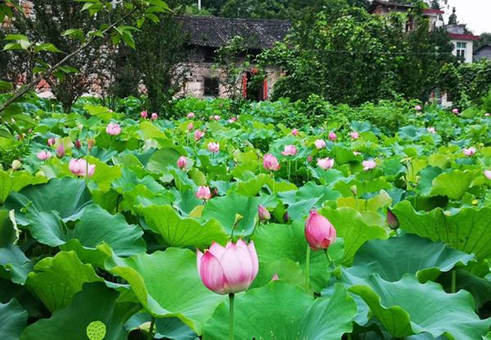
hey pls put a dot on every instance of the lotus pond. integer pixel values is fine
(105, 219)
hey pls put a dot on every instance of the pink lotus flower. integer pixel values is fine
(77, 144)
(214, 147)
(417, 107)
(113, 129)
(487, 173)
(325, 163)
(431, 129)
(60, 151)
(270, 163)
(295, 132)
(354, 135)
(263, 213)
(217, 117)
(320, 144)
(43, 155)
(455, 111)
(190, 127)
(332, 136)
(198, 134)
(182, 162)
(369, 165)
(469, 152)
(319, 232)
(144, 114)
(309, 159)
(233, 119)
(190, 115)
(51, 141)
(154, 116)
(203, 193)
(79, 167)
(275, 277)
(230, 269)
(290, 150)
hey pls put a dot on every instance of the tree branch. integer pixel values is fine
(21, 92)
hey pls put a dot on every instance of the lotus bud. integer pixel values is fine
(16, 164)
(319, 232)
(392, 220)
(203, 193)
(263, 213)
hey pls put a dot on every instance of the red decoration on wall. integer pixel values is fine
(265, 89)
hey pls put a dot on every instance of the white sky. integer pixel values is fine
(475, 13)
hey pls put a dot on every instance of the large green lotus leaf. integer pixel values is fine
(224, 209)
(13, 320)
(104, 175)
(55, 280)
(275, 242)
(330, 316)
(408, 307)
(94, 307)
(168, 285)
(281, 311)
(453, 184)
(351, 227)
(275, 311)
(373, 204)
(285, 269)
(97, 226)
(15, 181)
(479, 287)
(163, 158)
(14, 264)
(427, 175)
(252, 187)
(408, 254)
(8, 233)
(67, 196)
(182, 232)
(468, 230)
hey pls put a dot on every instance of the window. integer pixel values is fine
(461, 49)
(211, 87)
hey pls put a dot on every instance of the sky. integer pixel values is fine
(475, 13)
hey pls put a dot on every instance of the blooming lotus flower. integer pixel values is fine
(290, 150)
(190, 127)
(77, 144)
(113, 129)
(203, 193)
(369, 165)
(217, 117)
(455, 111)
(487, 173)
(182, 162)
(469, 152)
(319, 232)
(431, 129)
(417, 107)
(233, 120)
(79, 167)
(43, 155)
(263, 213)
(320, 144)
(144, 114)
(325, 163)
(60, 151)
(51, 141)
(230, 269)
(295, 132)
(270, 163)
(332, 136)
(154, 116)
(198, 134)
(190, 115)
(214, 147)
(354, 135)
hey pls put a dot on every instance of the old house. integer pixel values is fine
(205, 35)
(483, 52)
(463, 41)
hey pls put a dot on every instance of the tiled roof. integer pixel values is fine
(216, 32)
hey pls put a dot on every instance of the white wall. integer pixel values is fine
(469, 49)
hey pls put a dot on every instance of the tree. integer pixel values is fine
(485, 39)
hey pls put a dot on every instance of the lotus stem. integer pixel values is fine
(307, 269)
(150, 331)
(329, 261)
(231, 297)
